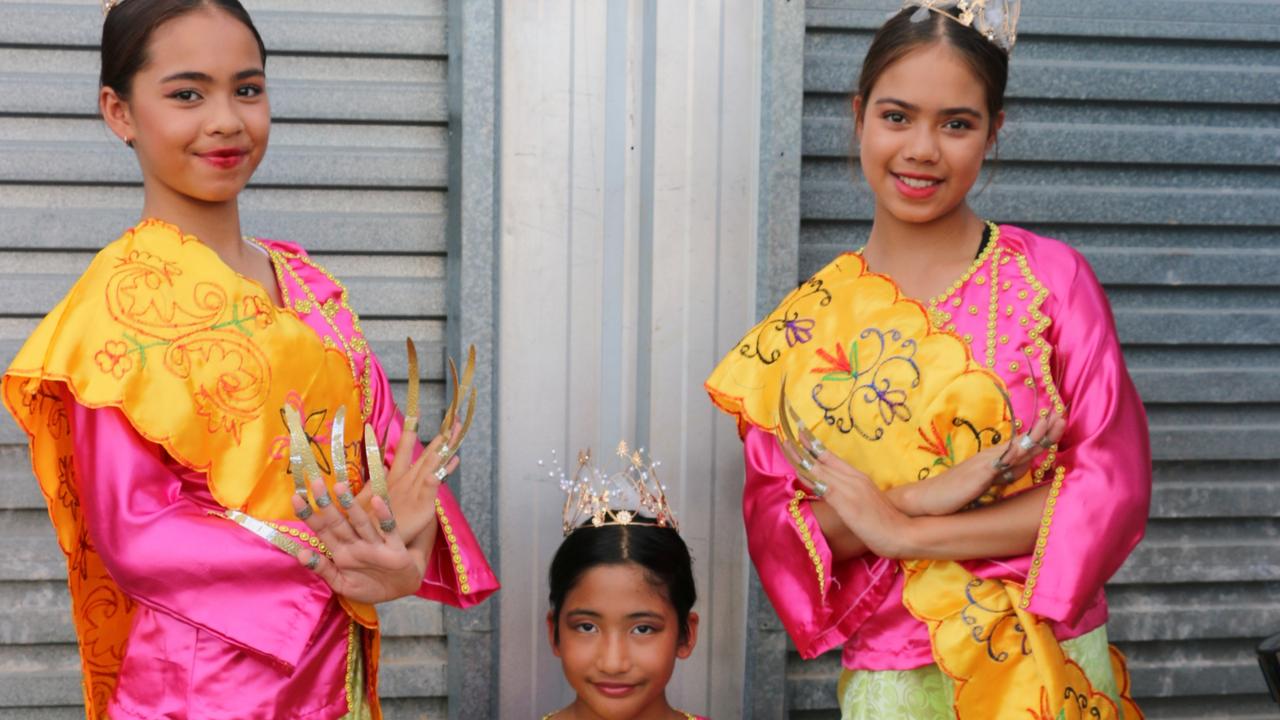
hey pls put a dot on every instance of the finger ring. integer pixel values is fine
(817, 447)
(346, 500)
(1026, 443)
(306, 510)
(1007, 475)
(323, 500)
(1000, 465)
(387, 525)
(444, 450)
(441, 472)
(806, 463)
(1046, 443)
(819, 488)
(314, 561)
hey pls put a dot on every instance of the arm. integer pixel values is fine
(167, 552)
(822, 600)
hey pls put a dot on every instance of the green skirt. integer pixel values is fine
(925, 693)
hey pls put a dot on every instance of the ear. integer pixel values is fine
(686, 649)
(996, 125)
(551, 634)
(115, 111)
(857, 115)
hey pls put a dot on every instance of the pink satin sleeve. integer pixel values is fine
(817, 617)
(1101, 510)
(153, 529)
(442, 579)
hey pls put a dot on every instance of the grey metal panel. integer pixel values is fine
(357, 172)
(1142, 133)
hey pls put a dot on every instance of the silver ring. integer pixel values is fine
(314, 562)
(819, 488)
(1046, 443)
(1026, 443)
(816, 446)
(1000, 465)
(1007, 475)
(346, 500)
(806, 463)
(441, 473)
(444, 450)
(306, 510)
(387, 525)
(323, 500)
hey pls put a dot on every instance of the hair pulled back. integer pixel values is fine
(128, 28)
(900, 35)
(659, 551)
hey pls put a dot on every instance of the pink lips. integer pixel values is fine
(916, 193)
(614, 690)
(225, 158)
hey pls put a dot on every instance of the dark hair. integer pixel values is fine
(900, 35)
(658, 551)
(128, 28)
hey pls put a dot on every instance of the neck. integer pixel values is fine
(216, 224)
(949, 239)
(659, 709)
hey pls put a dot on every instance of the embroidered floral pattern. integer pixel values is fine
(863, 397)
(763, 345)
(114, 358)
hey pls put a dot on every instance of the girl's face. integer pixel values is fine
(198, 113)
(619, 640)
(923, 133)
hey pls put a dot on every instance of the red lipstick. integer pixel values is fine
(224, 158)
(916, 193)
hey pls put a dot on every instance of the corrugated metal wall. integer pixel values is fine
(356, 172)
(1145, 134)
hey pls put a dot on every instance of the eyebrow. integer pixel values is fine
(642, 615)
(961, 110)
(203, 77)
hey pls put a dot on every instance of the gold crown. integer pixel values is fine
(630, 496)
(996, 20)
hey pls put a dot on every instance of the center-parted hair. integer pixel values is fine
(900, 35)
(128, 27)
(658, 551)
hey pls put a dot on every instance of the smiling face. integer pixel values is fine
(619, 641)
(923, 132)
(197, 112)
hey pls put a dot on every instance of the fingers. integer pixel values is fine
(386, 522)
(327, 523)
(357, 518)
(404, 450)
(318, 564)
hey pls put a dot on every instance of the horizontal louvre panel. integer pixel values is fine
(1143, 134)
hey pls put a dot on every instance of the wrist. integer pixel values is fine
(907, 499)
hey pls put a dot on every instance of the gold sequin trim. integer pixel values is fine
(993, 308)
(803, 528)
(306, 537)
(353, 639)
(455, 554)
(1042, 537)
(939, 317)
(356, 343)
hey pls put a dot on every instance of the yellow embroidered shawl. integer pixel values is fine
(901, 401)
(201, 362)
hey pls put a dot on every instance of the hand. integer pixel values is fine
(958, 487)
(857, 502)
(413, 485)
(367, 566)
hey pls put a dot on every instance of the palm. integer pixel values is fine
(374, 573)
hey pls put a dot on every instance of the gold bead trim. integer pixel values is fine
(454, 552)
(353, 647)
(352, 345)
(803, 528)
(978, 262)
(306, 537)
(1042, 537)
(993, 306)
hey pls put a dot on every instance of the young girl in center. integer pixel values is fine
(622, 597)
(945, 456)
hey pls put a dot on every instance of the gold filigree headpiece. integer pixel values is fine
(630, 496)
(996, 20)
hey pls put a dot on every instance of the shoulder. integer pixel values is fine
(1053, 263)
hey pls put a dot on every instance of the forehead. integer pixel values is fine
(616, 591)
(933, 76)
(205, 40)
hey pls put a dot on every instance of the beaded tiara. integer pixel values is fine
(632, 495)
(996, 20)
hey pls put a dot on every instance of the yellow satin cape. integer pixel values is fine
(901, 402)
(200, 361)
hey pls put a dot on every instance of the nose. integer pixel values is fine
(224, 117)
(922, 146)
(614, 657)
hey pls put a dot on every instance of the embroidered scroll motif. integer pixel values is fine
(867, 389)
(796, 330)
